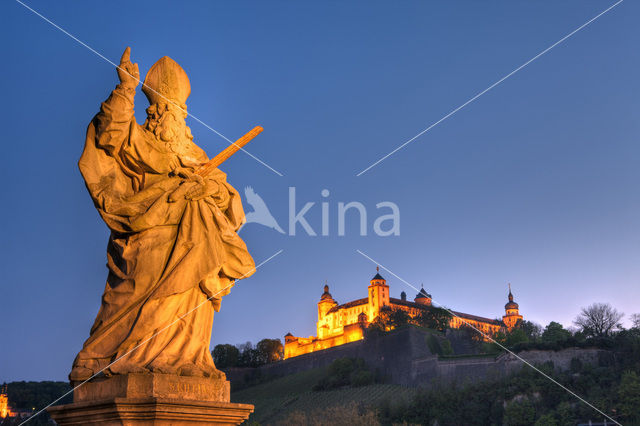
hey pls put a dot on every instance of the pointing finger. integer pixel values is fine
(125, 55)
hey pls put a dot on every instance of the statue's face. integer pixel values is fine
(167, 122)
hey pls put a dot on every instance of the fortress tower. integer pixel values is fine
(324, 305)
(512, 313)
(378, 295)
(423, 297)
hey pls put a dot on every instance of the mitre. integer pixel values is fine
(166, 80)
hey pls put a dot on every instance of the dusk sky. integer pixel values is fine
(534, 183)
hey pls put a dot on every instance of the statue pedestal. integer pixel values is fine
(151, 399)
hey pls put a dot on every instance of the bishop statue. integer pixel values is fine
(174, 250)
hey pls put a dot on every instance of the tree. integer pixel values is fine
(376, 327)
(546, 420)
(509, 338)
(519, 413)
(555, 333)
(398, 317)
(225, 356)
(532, 330)
(389, 318)
(629, 397)
(270, 350)
(515, 336)
(248, 355)
(635, 320)
(434, 318)
(599, 320)
(565, 414)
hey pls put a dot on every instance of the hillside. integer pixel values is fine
(278, 398)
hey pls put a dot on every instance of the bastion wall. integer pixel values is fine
(403, 357)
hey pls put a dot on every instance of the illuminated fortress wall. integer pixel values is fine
(340, 324)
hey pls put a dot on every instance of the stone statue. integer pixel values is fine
(173, 242)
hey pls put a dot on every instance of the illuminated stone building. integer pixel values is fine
(5, 411)
(340, 324)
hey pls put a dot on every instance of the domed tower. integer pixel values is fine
(378, 294)
(512, 312)
(326, 302)
(423, 297)
(324, 305)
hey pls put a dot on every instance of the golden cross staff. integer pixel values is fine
(207, 169)
(228, 152)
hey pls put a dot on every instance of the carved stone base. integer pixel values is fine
(151, 399)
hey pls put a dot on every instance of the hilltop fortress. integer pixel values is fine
(340, 324)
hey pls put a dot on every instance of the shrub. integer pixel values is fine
(519, 413)
(361, 378)
(447, 349)
(345, 372)
(434, 344)
(546, 420)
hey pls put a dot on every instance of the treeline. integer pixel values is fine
(390, 318)
(264, 352)
(598, 325)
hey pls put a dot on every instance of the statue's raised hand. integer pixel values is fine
(127, 72)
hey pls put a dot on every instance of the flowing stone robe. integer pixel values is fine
(165, 258)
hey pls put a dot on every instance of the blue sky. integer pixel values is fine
(535, 183)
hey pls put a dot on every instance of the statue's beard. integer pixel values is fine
(167, 125)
